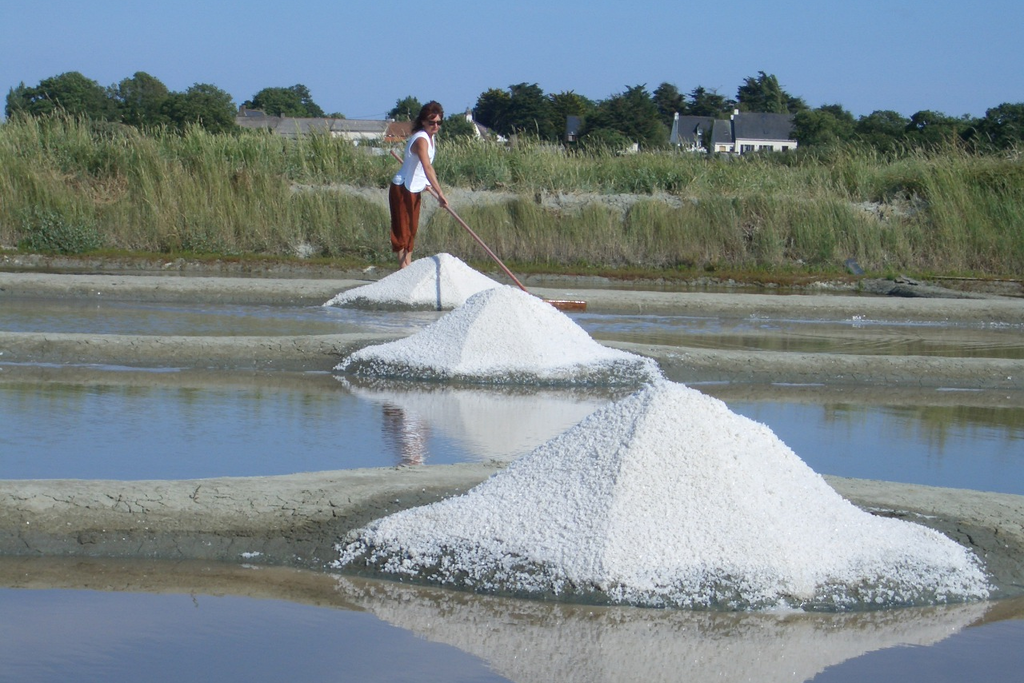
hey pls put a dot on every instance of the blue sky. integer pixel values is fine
(359, 58)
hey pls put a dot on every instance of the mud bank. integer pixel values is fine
(173, 288)
(306, 352)
(291, 520)
(294, 520)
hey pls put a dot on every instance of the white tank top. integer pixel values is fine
(411, 174)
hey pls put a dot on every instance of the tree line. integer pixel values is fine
(634, 115)
(141, 100)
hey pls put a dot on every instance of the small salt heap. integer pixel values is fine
(440, 282)
(669, 498)
(502, 335)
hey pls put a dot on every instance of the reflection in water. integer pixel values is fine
(405, 434)
(109, 621)
(492, 423)
(136, 425)
(96, 423)
(536, 641)
(961, 446)
(192, 621)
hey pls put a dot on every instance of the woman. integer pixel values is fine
(416, 174)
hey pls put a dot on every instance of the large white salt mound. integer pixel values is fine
(669, 498)
(439, 282)
(502, 335)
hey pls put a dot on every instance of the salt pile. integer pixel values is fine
(667, 498)
(440, 282)
(502, 335)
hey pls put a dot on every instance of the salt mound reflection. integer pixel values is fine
(439, 282)
(668, 498)
(502, 336)
(478, 416)
(539, 642)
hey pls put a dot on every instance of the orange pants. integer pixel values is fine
(405, 217)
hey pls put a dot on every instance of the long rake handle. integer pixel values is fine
(472, 234)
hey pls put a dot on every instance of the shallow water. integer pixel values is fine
(129, 317)
(874, 337)
(62, 635)
(125, 424)
(855, 336)
(173, 621)
(160, 423)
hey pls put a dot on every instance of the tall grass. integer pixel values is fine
(196, 193)
(69, 185)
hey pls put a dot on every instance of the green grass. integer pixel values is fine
(68, 186)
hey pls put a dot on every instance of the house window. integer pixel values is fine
(746, 148)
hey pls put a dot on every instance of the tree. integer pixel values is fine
(882, 129)
(140, 100)
(1003, 126)
(202, 104)
(884, 121)
(931, 127)
(523, 108)
(70, 92)
(292, 101)
(633, 115)
(705, 102)
(669, 102)
(529, 111)
(492, 108)
(566, 104)
(764, 94)
(827, 124)
(18, 100)
(405, 109)
(456, 127)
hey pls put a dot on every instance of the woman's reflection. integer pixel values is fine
(406, 435)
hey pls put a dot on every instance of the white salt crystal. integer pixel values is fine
(502, 335)
(439, 282)
(669, 498)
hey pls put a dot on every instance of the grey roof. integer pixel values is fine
(295, 127)
(359, 126)
(757, 126)
(722, 132)
(687, 129)
(248, 120)
(292, 127)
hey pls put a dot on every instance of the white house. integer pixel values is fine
(742, 133)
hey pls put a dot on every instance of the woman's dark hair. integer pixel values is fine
(429, 109)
